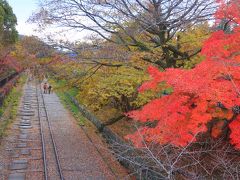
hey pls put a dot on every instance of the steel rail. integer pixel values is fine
(42, 138)
(52, 138)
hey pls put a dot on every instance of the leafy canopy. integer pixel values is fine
(8, 22)
(208, 92)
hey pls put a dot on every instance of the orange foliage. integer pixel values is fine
(210, 90)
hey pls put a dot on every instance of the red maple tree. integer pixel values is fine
(9, 63)
(209, 92)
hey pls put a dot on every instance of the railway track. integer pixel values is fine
(50, 151)
(48, 144)
(34, 154)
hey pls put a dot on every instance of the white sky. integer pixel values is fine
(23, 9)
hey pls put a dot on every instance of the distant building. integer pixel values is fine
(71, 55)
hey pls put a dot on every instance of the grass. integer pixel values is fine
(8, 111)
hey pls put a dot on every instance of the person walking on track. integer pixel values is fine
(45, 87)
(49, 89)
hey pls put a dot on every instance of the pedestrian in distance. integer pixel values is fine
(45, 87)
(49, 89)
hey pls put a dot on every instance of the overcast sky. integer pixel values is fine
(23, 9)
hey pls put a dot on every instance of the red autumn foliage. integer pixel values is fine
(8, 63)
(8, 66)
(209, 91)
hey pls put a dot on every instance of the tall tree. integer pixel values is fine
(204, 99)
(142, 24)
(8, 32)
(8, 22)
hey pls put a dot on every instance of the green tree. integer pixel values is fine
(8, 22)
